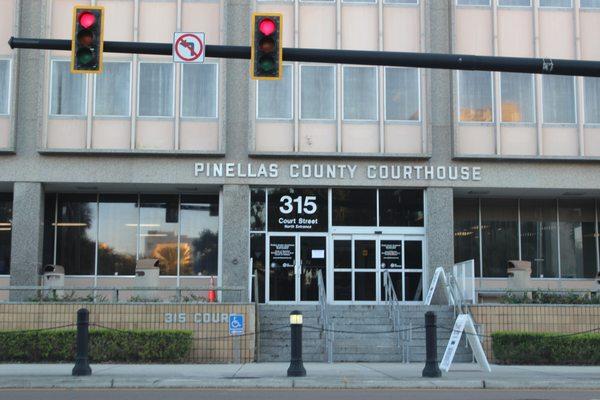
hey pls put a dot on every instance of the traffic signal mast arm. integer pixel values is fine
(359, 57)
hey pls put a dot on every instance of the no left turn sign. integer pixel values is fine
(188, 47)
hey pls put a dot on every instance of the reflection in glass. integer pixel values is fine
(199, 242)
(577, 238)
(539, 240)
(399, 207)
(257, 253)
(342, 256)
(466, 231)
(117, 234)
(158, 232)
(257, 210)
(364, 254)
(76, 233)
(342, 288)
(312, 259)
(354, 207)
(413, 254)
(5, 232)
(364, 283)
(499, 232)
(49, 226)
(414, 286)
(396, 277)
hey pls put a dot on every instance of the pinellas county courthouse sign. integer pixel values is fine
(338, 171)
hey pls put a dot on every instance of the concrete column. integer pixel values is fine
(440, 231)
(27, 235)
(235, 240)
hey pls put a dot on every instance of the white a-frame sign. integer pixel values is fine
(464, 323)
(439, 273)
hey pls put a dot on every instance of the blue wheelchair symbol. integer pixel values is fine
(236, 324)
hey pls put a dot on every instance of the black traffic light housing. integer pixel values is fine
(266, 60)
(87, 40)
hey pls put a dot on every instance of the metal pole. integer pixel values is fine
(82, 364)
(431, 369)
(359, 57)
(296, 365)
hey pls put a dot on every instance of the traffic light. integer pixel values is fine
(267, 53)
(87, 41)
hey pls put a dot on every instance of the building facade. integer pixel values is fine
(350, 170)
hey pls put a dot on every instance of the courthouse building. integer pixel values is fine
(351, 170)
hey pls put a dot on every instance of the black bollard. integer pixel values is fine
(296, 365)
(431, 369)
(82, 364)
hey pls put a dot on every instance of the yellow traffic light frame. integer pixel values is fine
(73, 38)
(280, 56)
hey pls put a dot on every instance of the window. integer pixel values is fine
(155, 90)
(199, 235)
(577, 238)
(68, 91)
(354, 207)
(590, 3)
(475, 96)
(539, 238)
(4, 87)
(317, 92)
(401, 94)
(180, 231)
(360, 1)
(398, 207)
(5, 232)
(199, 88)
(401, 1)
(360, 93)
(517, 97)
(499, 235)
(76, 224)
(466, 231)
(117, 234)
(113, 88)
(514, 3)
(558, 96)
(592, 100)
(473, 2)
(274, 98)
(555, 3)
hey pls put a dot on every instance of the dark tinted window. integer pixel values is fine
(199, 242)
(76, 233)
(5, 232)
(400, 207)
(466, 231)
(539, 238)
(499, 232)
(257, 210)
(354, 207)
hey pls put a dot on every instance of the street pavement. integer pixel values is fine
(319, 375)
(294, 394)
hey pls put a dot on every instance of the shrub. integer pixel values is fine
(551, 297)
(105, 346)
(546, 348)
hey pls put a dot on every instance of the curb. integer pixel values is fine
(284, 383)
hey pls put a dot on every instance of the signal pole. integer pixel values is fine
(546, 66)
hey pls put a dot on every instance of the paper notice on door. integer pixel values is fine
(318, 254)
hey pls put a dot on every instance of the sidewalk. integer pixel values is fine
(319, 375)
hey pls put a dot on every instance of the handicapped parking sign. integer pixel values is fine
(236, 324)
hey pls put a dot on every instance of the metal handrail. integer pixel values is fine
(326, 323)
(404, 333)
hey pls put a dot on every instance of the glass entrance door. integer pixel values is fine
(359, 262)
(294, 262)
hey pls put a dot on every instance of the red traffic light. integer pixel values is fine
(266, 26)
(87, 19)
(266, 51)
